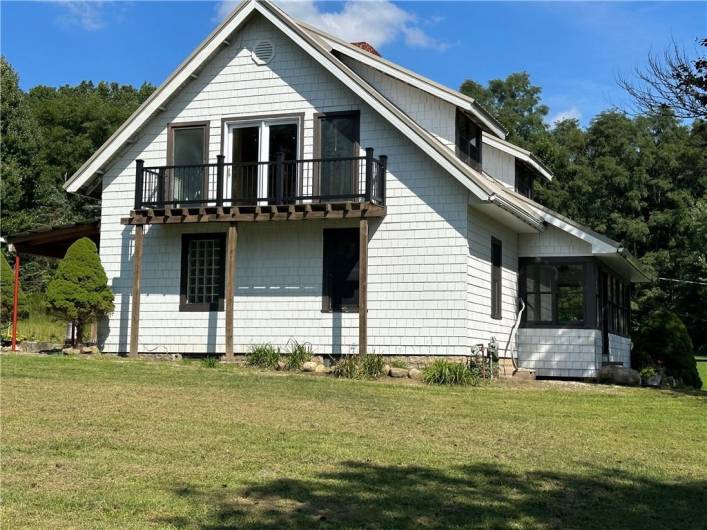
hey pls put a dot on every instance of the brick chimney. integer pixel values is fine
(367, 47)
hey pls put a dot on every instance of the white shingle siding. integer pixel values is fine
(620, 349)
(560, 352)
(552, 242)
(500, 165)
(481, 327)
(436, 116)
(417, 254)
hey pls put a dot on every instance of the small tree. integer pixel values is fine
(7, 291)
(79, 290)
(663, 339)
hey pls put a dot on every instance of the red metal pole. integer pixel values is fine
(15, 301)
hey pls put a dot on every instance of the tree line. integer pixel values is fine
(640, 179)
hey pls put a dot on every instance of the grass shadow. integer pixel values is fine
(361, 494)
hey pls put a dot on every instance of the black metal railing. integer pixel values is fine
(278, 182)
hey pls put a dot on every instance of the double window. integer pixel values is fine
(203, 275)
(468, 140)
(340, 274)
(555, 293)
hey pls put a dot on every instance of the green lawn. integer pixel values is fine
(702, 369)
(105, 443)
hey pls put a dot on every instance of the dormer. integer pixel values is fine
(513, 166)
(468, 140)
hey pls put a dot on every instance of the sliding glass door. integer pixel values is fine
(338, 141)
(253, 148)
(188, 153)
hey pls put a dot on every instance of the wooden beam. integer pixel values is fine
(137, 273)
(363, 287)
(229, 291)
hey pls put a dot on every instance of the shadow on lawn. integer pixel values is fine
(366, 495)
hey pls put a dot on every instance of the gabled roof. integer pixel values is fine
(519, 153)
(396, 71)
(470, 178)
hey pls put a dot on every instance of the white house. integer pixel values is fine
(284, 184)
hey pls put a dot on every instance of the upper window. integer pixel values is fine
(468, 140)
(340, 275)
(187, 150)
(524, 180)
(496, 259)
(554, 293)
(202, 284)
(337, 144)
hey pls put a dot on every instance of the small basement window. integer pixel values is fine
(202, 277)
(468, 140)
(340, 274)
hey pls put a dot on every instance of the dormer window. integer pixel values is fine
(524, 180)
(468, 140)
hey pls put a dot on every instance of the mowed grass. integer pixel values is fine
(702, 370)
(128, 444)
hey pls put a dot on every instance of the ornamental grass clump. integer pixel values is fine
(263, 356)
(300, 353)
(443, 372)
(347, 367)
(209, 362)
(366, 365)
(371, 365)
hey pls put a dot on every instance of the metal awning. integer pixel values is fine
(53, 241)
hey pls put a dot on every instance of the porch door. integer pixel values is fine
(188, 154)
(338, 140)
(246, 154)
(253, 149)
(283, 139)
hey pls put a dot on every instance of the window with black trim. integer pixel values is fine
(524, 180)
(496, 272)
(340, 274)
(618, 306)
(203, 274)
(468, 140)
(556, 293)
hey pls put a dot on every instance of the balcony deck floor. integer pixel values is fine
(263, 213)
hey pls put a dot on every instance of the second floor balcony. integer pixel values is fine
(353, 183)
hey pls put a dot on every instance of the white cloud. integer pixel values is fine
(376, 22)
(573, 113)
(87, 14)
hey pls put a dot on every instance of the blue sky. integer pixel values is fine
(574, 50)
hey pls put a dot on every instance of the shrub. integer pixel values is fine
(79, 290)
(348, 367)
(263, 356)
(648, 372)
(662, 340)
(371, 365)
(209, 362)
(443, 372)
(299, 354)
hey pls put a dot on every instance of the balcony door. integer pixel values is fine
(253, 148)
(338, 144)
(187, 152)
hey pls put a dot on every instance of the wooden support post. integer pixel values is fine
(15, 301)
(137, 273)
(363, 287)
(231, 242)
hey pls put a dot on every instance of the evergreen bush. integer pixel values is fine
(79, 289)
(663, 340)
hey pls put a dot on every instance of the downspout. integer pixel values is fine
(513, 332)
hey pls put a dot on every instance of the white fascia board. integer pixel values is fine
(380, 104)
(519, 153)
(411, 78)
(159, 98)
